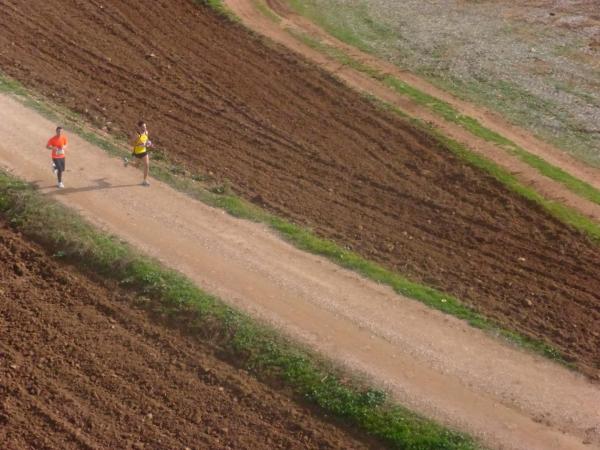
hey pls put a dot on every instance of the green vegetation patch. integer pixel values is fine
(355, 27)
(219, 7)
(266, 11)
(252, 345)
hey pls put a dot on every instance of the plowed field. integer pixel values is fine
(291, 137)
(81, 368)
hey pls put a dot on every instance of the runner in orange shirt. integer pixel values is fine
(58, 144)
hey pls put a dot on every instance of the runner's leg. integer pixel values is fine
(146, 166)
(60, 168)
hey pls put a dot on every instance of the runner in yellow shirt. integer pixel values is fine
(140, 150)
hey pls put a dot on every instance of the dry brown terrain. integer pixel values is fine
(81, 367)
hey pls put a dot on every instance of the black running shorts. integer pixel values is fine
(59, 163)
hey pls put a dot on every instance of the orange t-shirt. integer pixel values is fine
(57, 143)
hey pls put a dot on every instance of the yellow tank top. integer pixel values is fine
(140, 146)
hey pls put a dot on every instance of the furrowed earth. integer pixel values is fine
(290, 137)
(82, 367)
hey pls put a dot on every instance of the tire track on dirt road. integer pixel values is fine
(433, 363)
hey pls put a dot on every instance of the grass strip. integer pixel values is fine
(449, 113)
(266, 11)
(252, 345)
(219, 7)
(359, 30)
(220, 197)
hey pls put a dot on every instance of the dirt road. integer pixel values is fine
(290, 137)
(432, 363)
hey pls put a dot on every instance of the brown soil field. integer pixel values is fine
(82, 367)
(292, 138)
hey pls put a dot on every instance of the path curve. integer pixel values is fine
(433, 363)
(254, 19)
